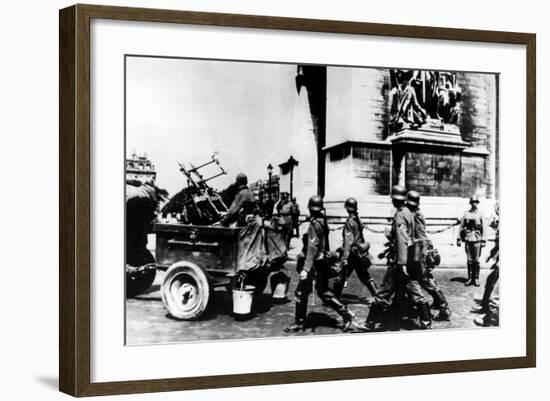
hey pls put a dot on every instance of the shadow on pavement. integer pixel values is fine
(316, 319)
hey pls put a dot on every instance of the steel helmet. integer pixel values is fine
(413, 198)
(474, 198)
(315, 203)
(398, 192)
(363, 247)
(241, 179)
(351, 204)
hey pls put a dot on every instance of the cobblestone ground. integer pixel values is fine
(148, 321)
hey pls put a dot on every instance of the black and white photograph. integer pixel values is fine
(268, 199)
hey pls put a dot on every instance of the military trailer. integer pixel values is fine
(197, 259)
(200, 255)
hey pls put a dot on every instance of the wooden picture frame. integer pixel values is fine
(74, 202)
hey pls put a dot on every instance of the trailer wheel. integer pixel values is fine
(186, 291)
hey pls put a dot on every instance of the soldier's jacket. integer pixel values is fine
(430, 255)
(285, 213)
(472, 227)
(402, 234)
(244, 204)
(295, 210)
(317, 242)
(420, 226)
(352, 234)
(494, 253)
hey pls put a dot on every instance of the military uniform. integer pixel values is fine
(395, 280)
(473, 232)
(493, 276)
(427, 281)
(242, 206)
(316, 266)
(284, 219)
(355, 256)
(295, 211)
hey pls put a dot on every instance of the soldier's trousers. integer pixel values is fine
(473, 253)
(363, 273)
(393, 280)
(432, 288)
(473, 250)
(395, 283)
(490, 284)
(321, 273)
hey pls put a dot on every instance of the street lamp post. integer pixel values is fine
(269, 202)
(292, 162)
(269, 174)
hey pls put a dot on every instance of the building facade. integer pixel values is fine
(140, 168)
(432, 131)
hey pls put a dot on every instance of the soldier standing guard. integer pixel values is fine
(316, 265)
(295, 208)
(427, 281)
(284, 217)
(355, 252)
(473, 232)
(401, 275)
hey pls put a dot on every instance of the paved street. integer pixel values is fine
(148, 321)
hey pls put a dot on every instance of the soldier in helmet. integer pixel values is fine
(284, 217)
(243, 205)
(315, 264)
(473, 232)
(428, 262)
(488, 305)
(355, 251)
(400, 276)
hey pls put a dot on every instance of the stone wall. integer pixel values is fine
(371, 169)
(357, 118)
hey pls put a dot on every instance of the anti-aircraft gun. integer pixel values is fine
(201, 204)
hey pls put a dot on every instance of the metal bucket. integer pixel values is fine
(242, 300)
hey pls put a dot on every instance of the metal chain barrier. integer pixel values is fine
(383, 231)
(442, 229)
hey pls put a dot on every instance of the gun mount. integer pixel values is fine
(202, 204)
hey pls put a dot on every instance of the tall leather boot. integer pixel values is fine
(342, 310)
(470, 275)
(443, 306)
(299, 317)
(476, 268)
(425, 316)
(338, 287)
(490, 284)
(373, 317)
(372, 287)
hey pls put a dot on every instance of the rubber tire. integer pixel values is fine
(138, 283)
(196, 285)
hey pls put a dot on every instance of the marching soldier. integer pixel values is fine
(316, 265)
(472, 231)
(355, 252)
(487, 306)
(427, 281)
(243, 205)
(402, 273)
